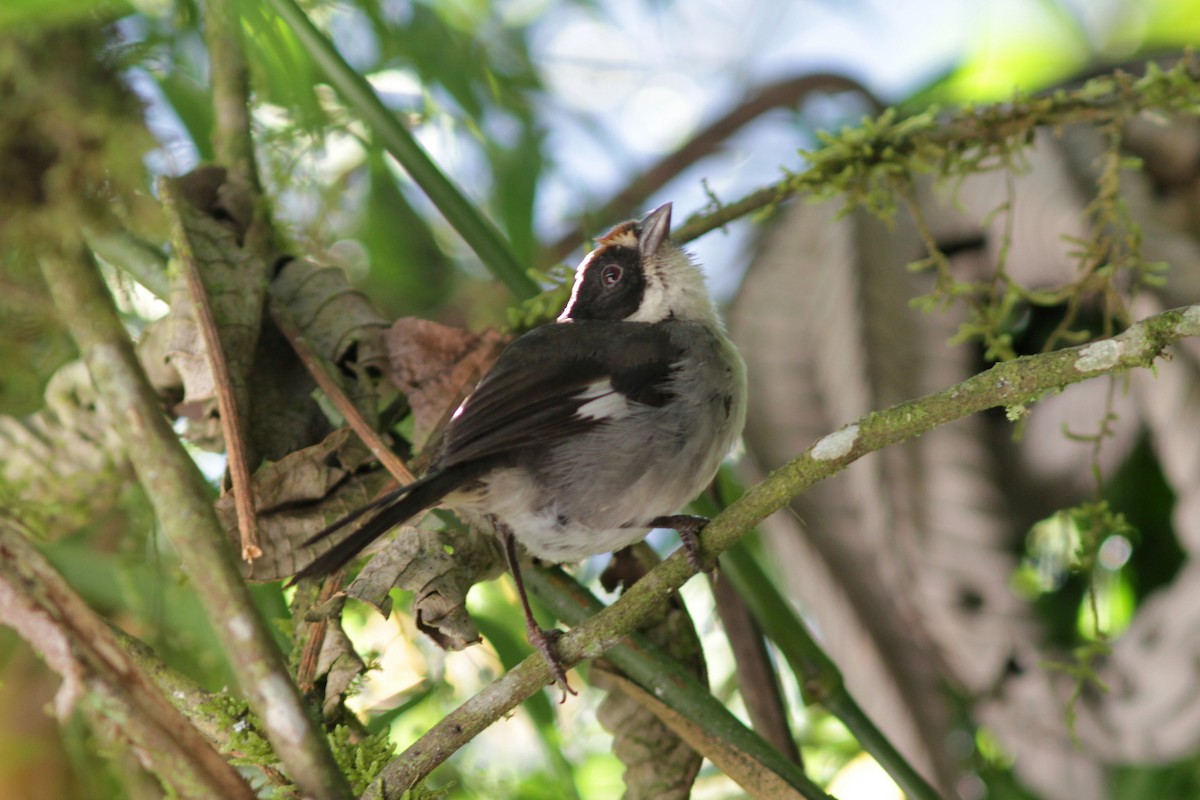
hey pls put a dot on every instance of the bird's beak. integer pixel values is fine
(654, 229)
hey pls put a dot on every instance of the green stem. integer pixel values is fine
(664, 678)
(819, 678)
(144, 262)
(481, 235)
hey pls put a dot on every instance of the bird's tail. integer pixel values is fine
(394, 508)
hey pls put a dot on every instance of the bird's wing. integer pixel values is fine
(558, 381)
(554, 382)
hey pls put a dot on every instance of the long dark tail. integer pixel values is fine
(394, 507)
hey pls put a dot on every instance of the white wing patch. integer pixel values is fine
(604, 402)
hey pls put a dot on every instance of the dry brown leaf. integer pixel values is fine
(286, 416)
(306, 490)
(300, 495)
(435, 366)
(341, 666)
(337, 320)
(339, 324)
(215, 217)
(215, 192)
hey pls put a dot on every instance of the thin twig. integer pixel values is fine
(757, 679)
(852, 159)
(321, 374)
(233, 143)
(233, 426)
(310, 653)
(820, 679)
(781, 94)
(699, 224)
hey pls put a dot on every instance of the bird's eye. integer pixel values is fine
(611, 274)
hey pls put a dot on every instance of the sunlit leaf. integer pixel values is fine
(39, 13)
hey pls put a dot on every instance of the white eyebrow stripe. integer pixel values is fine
(580, 271)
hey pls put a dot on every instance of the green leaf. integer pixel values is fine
(409, 272)
(478, 232)
(517, 171)
(286, 74)
(192, 102)
(44, 13)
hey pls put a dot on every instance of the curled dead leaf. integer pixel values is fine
(439, 567)
(340, 665)
(300, 495)
(436, 366)
(220, 194)
(337, 320)
(213, 217)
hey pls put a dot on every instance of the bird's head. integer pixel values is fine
(637, 274)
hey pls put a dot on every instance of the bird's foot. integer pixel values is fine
(543, 641)
(688, 526)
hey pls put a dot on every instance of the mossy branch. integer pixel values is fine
(100, 676)
(867, 163)
(183, 505)
(233, 140)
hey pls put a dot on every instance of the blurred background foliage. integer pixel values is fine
(540, 112)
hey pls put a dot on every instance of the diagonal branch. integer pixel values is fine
(183, 505)
(321, 375)
(257, 662)
(756, 677)
(1012, 384)
(96, 670)
(233, 140)
(480, 234)
(234, 421)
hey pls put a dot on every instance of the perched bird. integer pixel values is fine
(588, 432)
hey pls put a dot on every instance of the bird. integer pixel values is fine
(588, 432)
